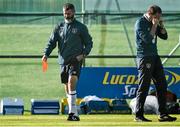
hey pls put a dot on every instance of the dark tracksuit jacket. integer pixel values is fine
(149, 64)
(72, 38)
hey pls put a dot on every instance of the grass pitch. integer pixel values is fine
(23, 78)
(86, 120)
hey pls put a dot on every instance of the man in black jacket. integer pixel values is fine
(74, 43)
(147, 28)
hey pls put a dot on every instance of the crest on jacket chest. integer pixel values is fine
(74, 30)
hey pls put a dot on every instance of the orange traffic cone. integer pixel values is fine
(44, 66)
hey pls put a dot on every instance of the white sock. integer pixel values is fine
(72, 102)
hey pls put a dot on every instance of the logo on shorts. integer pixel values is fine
(74, 72)
(74, 30)
(148, 65)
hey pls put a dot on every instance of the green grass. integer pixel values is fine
(86, 120)
(24, 78)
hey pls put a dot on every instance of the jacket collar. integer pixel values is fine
(147, 17)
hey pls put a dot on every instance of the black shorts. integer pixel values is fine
(73, 68)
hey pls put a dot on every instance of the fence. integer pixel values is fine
(26, 25)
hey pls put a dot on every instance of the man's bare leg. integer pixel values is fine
(71, 90)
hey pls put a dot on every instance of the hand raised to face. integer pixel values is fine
(155, 21)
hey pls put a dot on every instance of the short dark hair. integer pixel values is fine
(68, 6)
(153, 9)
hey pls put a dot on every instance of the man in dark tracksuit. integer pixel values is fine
(74, 43)
(149, 65)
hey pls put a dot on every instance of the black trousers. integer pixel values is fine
(150, 67)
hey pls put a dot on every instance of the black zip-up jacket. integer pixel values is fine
(146, 44)
(72, 38)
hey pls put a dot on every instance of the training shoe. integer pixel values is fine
(72, 117)
(141, 119)
(166, 117)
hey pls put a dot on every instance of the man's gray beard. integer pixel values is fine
(69, 20)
